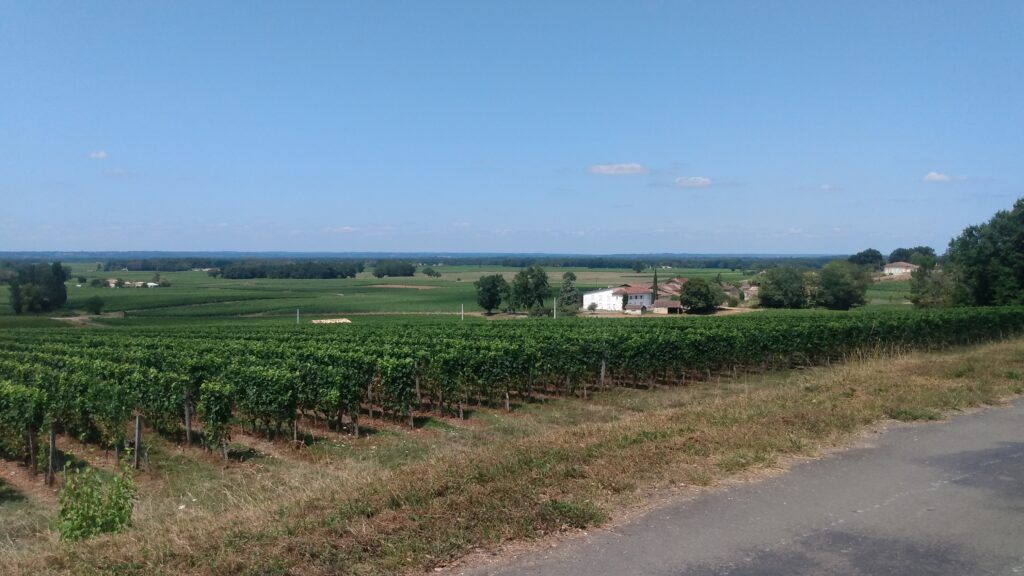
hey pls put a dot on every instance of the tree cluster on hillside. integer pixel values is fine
(920, 255)
(985, 264)
(244, 270)
(870, 258)
(527, 290)
(429, 272)
(38, 288)
(839, 285)
(393, 268)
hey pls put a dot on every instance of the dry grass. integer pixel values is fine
(410, 501)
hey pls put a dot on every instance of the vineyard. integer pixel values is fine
(199, 384)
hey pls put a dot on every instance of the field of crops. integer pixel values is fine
(198, 296)
(91, 383)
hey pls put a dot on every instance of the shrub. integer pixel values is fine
(94, 305)
(90, 506)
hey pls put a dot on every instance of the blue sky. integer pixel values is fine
(591, 127)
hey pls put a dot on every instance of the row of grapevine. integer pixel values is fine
(92, 383)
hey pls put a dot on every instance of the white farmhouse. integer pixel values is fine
(611, 299)
(899, 268)
(604, 299)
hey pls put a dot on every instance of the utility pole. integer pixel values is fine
(462, 312)
(296, 316)
(554, 308)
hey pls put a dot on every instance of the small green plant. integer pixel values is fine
(556, 515)
(1014, 375)
(90, 506)
(94, 305)
(962, 371)
(911, 413)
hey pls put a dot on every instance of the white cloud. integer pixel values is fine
(693, 182)
(937, 177)
(99, 155)
(829, 188)
(340, 230)
(120, 173)
(617, 169)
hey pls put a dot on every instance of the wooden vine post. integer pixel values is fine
(188, 422)
(32, 433)
(138, 441)
(51, 465)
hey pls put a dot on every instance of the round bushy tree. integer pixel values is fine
(700, 296)
(783, 287)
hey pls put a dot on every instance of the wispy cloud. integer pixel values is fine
(937, 177)
(99, 155)
(120, 173)
(340, 230)
(693, 182)
(625, 169)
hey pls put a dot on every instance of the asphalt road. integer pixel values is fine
(940, 498)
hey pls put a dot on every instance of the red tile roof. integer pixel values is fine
(632, 290)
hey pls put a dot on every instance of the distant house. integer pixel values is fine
(750, 291)
(638, 297)
(152, 285)
(634, 296)
(112, 282)
(899, 268)
(603, 299)
(666, 306)
(634, 309)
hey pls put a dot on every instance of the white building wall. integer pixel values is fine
(895, 270)
(604, 299)
(640, 299)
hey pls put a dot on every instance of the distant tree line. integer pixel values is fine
(166, 264)
(294, 270)
(638, 263)
(393, 268)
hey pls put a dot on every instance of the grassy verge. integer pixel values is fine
(411, 501)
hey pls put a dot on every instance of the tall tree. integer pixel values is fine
(654, 286)
(490, 290)
(782, 287)
(988, 260)
(16, 304)
(842, 285)
(39, 288)
(700, 296)
(569, 297)
(530, 287)
(870, 258)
